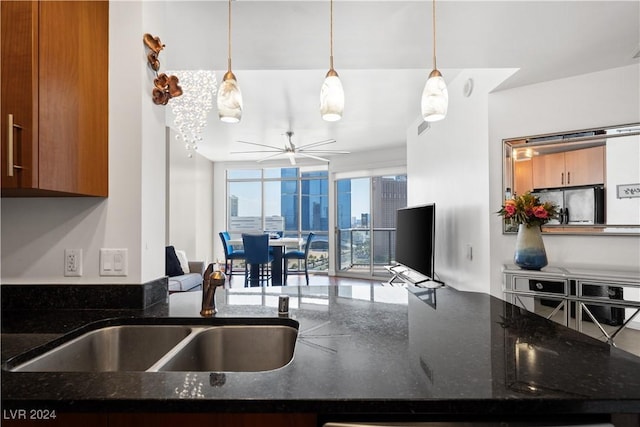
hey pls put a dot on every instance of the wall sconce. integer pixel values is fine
(165, 86)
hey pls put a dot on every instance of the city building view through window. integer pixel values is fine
(291, 202)
(294, 201)
(366, 220)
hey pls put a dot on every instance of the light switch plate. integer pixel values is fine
(114, 262)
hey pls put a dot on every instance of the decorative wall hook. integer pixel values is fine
(165, 87)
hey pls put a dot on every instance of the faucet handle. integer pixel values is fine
(213, 277)
(217, 278)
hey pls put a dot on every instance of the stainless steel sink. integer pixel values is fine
(234, 349)
(115, 348)
(231, 345)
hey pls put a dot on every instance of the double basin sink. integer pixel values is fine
(167, 344)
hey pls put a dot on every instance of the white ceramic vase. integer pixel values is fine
(530, 253)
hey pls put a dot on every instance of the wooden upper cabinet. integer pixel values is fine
(19, 100)
(569, 169)
(548, 171)
(55, 87)
(523, 177)
(585, 167)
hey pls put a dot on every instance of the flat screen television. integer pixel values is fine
(415, 241)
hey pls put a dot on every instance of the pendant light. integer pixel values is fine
(331, 94)
(229, 95)
(435, 98)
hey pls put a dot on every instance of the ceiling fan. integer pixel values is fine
(290, 150)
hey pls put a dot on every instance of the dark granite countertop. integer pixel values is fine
(360, 349)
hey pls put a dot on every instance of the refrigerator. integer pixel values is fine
(578, 206)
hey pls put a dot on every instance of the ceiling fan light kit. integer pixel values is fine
(332, 93)
(229, 96)
(435, 97)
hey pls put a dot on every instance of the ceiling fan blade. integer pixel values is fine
(311, 156)
(256, 151)
(270, 157)
(317, 143)
(260, 145)
(325, 151)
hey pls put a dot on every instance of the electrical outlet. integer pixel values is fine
(73, 262)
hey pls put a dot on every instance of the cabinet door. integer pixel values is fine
(19, 76)
(548, 171)
(585, 167)
(55, 84)
(523, 177)
(74, 98)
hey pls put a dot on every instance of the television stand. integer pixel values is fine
(423, 284)
(403, 276)
(396, 278)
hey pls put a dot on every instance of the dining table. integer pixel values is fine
(278, 244)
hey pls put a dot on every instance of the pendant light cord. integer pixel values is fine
(434, 35)
(229, 39)
(331, 35)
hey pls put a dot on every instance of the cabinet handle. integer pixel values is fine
(561, 178)
(9, 144)
(568, 178)
(10, 129)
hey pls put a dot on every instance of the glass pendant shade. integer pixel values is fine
(331, 97)
(435, 98)
(229, 99)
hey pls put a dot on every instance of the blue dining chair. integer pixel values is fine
(300, 256)
(230, 253)
(258, 260)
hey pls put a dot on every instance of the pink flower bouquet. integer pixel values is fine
(527, 209)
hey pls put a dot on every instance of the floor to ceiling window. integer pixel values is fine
(366, 222)
(293, 201)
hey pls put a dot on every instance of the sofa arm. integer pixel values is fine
(196, 267)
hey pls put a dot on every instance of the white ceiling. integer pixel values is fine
(382, 52)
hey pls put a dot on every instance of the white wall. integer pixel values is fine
(447, 164)
(622, 167)
(153, 162)
(35, 232)
(190, 202)
(610, 97)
